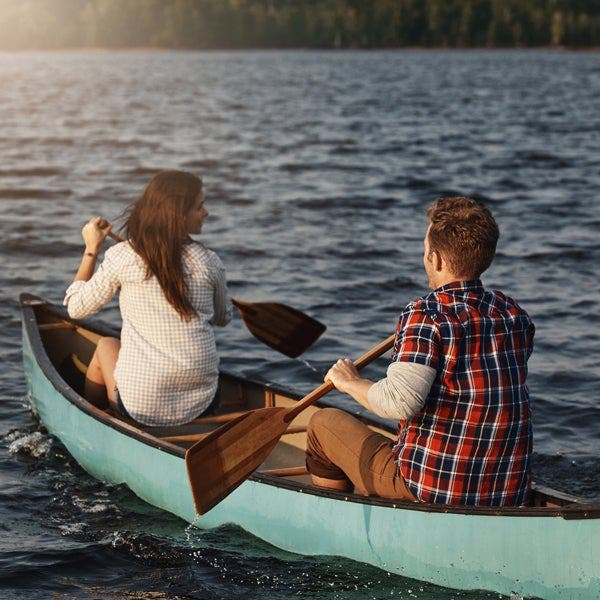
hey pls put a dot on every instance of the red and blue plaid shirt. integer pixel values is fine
(471, 442)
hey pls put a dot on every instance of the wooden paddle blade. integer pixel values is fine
(281, 327)
(220, 462)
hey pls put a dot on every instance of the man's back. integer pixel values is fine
(471, 442)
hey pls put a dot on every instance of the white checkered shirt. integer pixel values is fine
(167, 369)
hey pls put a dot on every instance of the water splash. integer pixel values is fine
(36, 444)
(190, 529)
(305, 362)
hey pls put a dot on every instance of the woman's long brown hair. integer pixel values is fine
(156, 228)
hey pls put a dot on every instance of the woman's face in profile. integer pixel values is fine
(196, 215)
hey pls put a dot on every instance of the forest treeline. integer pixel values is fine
(208, 24)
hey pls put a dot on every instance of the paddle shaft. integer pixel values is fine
(115, 236)
(326, 387)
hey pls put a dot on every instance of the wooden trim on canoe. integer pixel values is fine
(224, 418)
(183, 439)
(57, 325)
(82, 331)
(285, 472)
(218, 419)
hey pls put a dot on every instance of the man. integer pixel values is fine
(456, 383)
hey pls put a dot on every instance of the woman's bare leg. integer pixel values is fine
(100, 376)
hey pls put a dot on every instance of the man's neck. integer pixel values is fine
(446, 277)
(441, 278)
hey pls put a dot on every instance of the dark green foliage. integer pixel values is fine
(298, 23)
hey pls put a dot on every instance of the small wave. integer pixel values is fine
(149, 548)
(47, 141)
(28, 247)
(32, 194)
(361, 252)
(344, 150)
(92, 506)
(415, 183)
(333, 203)
(206, 165)
(511, 183)
(32, 172)
(142, 171)
(554, 255)
(242, 252)
(543, 159)
(315, 203)
(72, 529)
(33, 444)
(393, 148)
(133, 143)
(323, 166)
(449, 193)
(572, 474)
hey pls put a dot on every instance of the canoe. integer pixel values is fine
(548, 549)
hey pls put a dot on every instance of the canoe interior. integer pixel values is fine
(69, 346)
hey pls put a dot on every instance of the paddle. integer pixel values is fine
(221, 461)
(281, 327)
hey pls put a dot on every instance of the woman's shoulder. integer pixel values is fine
(123, 256)
(198, 254)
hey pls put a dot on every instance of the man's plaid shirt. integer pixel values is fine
(471, 443)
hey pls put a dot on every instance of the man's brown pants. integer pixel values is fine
(340, 447)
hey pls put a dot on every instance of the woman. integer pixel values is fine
(164, 370)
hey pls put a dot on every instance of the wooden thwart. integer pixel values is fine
(82, 331)
(222, 418)
(57, 325)
(222, 460)
(196, 437)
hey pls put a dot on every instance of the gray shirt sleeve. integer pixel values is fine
(402, 393)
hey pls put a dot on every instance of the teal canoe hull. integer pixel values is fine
(550, 557)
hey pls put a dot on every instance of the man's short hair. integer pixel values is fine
(465, 233)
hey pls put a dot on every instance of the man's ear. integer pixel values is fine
(437, 260)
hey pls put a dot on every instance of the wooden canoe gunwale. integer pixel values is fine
(30, 305)
(568, 512)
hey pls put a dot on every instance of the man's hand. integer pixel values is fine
(342, 374)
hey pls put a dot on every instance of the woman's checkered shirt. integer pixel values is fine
(167, 369)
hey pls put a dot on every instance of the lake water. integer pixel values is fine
(318, 168)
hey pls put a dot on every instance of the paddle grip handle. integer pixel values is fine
(326, 387)
(115, 236)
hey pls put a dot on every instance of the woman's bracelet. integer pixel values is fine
(90, 254)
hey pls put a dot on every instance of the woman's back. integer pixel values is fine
(164, 368)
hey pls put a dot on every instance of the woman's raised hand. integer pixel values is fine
(94, 233)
